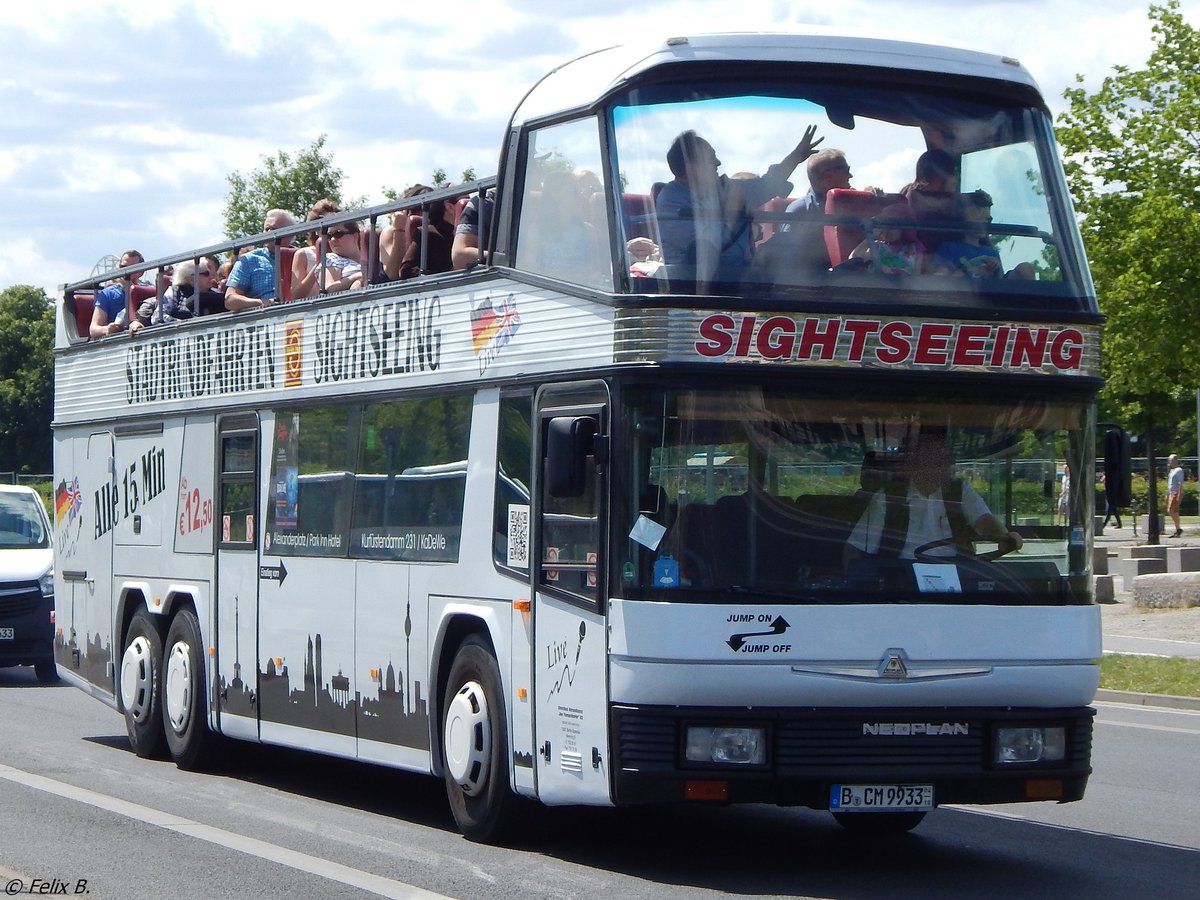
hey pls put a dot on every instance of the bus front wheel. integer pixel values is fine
(141, 686)
(475, 746)
(184, 694)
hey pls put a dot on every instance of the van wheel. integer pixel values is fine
(46, 671)
(475, 745)
(141, 685)
(185, 698)
(879, 823)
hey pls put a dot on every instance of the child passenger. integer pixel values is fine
(972, 255)
(893, 249)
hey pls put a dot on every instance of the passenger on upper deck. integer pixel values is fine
(179, 301)
(109, 305)
(929, 505)
(476, 219)
(827, 169)
(970, 254)
(436, 234)
(306, 268)
(933, 195)
(893, 249)
(343, 262)
(393, 239)
(705, 219)
(251, 283)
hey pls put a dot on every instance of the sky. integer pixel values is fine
(123, 120)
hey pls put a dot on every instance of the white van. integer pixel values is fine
(26, 583)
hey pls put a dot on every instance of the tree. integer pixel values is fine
(1132, 155)
(1131, 160)
(26, 379)
(282, 182)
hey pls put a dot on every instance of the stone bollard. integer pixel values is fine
(1183, 559)
(1099, 560)
(1172, 590)
(1104, 589)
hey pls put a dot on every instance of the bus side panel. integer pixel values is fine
(391, 664)
(83, 516)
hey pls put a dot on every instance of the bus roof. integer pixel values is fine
(586, 79)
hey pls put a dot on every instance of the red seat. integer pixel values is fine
(83, 302)
(775, 206)
(855, 209)
(286, 255)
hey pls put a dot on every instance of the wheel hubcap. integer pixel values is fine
(177, 688)
(137, 673)
(468, 738)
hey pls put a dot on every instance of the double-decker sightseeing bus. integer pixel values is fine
(698, 486)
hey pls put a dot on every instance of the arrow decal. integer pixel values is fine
(779, 626)
(273, 573)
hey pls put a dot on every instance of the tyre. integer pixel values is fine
(184, 696)
(879, 823)
(475, 745)
(46, 671)
(141, 686)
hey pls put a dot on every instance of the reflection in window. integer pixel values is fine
(411, 481)
(514, 474)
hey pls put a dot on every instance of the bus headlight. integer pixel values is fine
(737, 746)
(1029, 745)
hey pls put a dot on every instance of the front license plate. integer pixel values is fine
(880, 797)
(6, 634)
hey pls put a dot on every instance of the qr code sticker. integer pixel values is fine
(518, 536)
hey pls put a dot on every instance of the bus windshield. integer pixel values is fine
(934, 189)
(779, 493)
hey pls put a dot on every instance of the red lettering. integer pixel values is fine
(1029, 347)
(777, 338)
(971, 347)
(1066, 350)
(716, 333)
(999, 347)
(817, 337)
(859, 330)
(932, 343)
(894, 346)
(745, 333)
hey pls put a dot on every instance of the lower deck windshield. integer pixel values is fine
(812, 497)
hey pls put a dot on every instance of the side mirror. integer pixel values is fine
(570, 440)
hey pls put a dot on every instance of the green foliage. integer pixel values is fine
(283, 182)
(1151, 675)
(1131, 159)
(26, 378)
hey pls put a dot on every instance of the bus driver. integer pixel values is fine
(935, 507)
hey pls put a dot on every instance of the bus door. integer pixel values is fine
(570, 641)
(237, 530)
(85, 516)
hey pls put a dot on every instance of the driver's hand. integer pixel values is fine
(1014, 542)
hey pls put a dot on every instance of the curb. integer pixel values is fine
(1168, 701)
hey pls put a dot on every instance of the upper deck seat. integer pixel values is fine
(82, 304)
(776, 206)
(286, 256)
(637, 213)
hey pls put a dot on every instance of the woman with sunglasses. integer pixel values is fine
(343, 262)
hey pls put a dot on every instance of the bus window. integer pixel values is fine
(312, 464)
(410, 484)
(563, 231)
(514, 473)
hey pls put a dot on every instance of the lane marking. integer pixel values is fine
(301, 862)
(1018, 817)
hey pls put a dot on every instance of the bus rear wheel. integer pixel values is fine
(141, 686)
(185, 703)
(475, 746)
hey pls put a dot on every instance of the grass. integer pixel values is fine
(1151, 675)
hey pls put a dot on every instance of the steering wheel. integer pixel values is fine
(922, 554)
